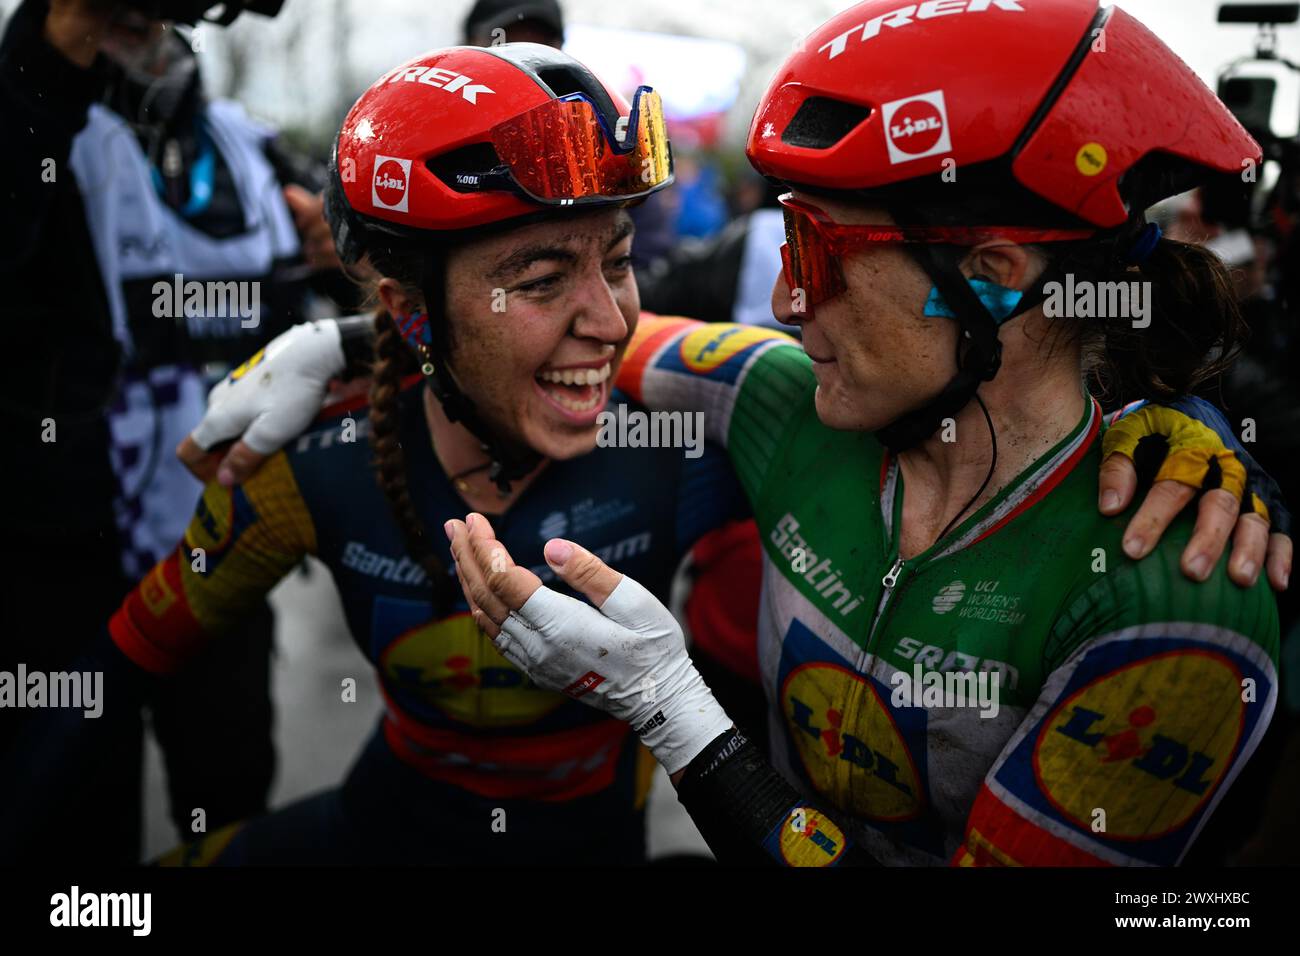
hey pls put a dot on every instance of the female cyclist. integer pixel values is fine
(962, 664)
(441, 181)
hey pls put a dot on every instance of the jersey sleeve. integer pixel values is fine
(748, 383)
(1158, 691)
(240, 542)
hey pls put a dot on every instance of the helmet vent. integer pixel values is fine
(475, 158)
(564, 79)
(822, 122)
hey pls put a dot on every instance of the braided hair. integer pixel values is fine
(394, 360)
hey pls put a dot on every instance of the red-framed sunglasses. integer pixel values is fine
(814, 244)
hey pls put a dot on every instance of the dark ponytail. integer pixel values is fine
(1195, 329)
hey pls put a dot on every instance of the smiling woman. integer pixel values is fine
(923, 473)
(506, 311)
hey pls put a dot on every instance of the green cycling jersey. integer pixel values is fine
(1019, 693)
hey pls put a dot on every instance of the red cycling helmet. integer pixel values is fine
(1051, 113)
(465, 140)
(467, 137)
(1071, 98)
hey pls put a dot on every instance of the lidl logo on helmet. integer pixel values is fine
(388, 189)
(916, 127)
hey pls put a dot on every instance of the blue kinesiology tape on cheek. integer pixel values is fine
(998, 299)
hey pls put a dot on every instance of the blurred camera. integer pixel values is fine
(1250, 98)
(197, 11)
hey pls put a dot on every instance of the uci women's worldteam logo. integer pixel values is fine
(850, 745)
(1140, 736)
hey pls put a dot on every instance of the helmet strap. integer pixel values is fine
(979, 352)
(508, 462)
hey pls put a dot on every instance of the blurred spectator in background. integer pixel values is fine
(728, 277)
(493, 22)
(703, 211)
(1257, 823)
(119, 176)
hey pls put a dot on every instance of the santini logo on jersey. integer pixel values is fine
(361, 559)
(824, 579)
(444, 80)
(905, 16)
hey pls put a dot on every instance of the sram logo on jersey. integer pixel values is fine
(388, 189)
(801, 559)
(445, 80)
(916, 127)
(907, 15)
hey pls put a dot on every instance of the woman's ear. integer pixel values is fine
(396, 300)
(1004, 263)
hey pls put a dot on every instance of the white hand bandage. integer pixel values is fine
(628, 659)
(275, 394)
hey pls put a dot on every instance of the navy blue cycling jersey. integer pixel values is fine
(455, 709)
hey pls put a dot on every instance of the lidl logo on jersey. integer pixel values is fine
(451, 668)
(916, 127)
(1140, 736)
(709, 347)
(807, 838)
(220, 517)
(388, 188)
(821, 574)
(849, 743)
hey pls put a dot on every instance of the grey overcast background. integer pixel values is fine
(302, 70)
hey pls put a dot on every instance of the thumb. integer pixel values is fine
(240, 463)
(298, 200)
(1117, 483)
(581, 570)
(202, 463)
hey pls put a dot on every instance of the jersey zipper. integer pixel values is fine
(888, 585)
(901, 572)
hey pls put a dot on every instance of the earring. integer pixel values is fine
(426, 359)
